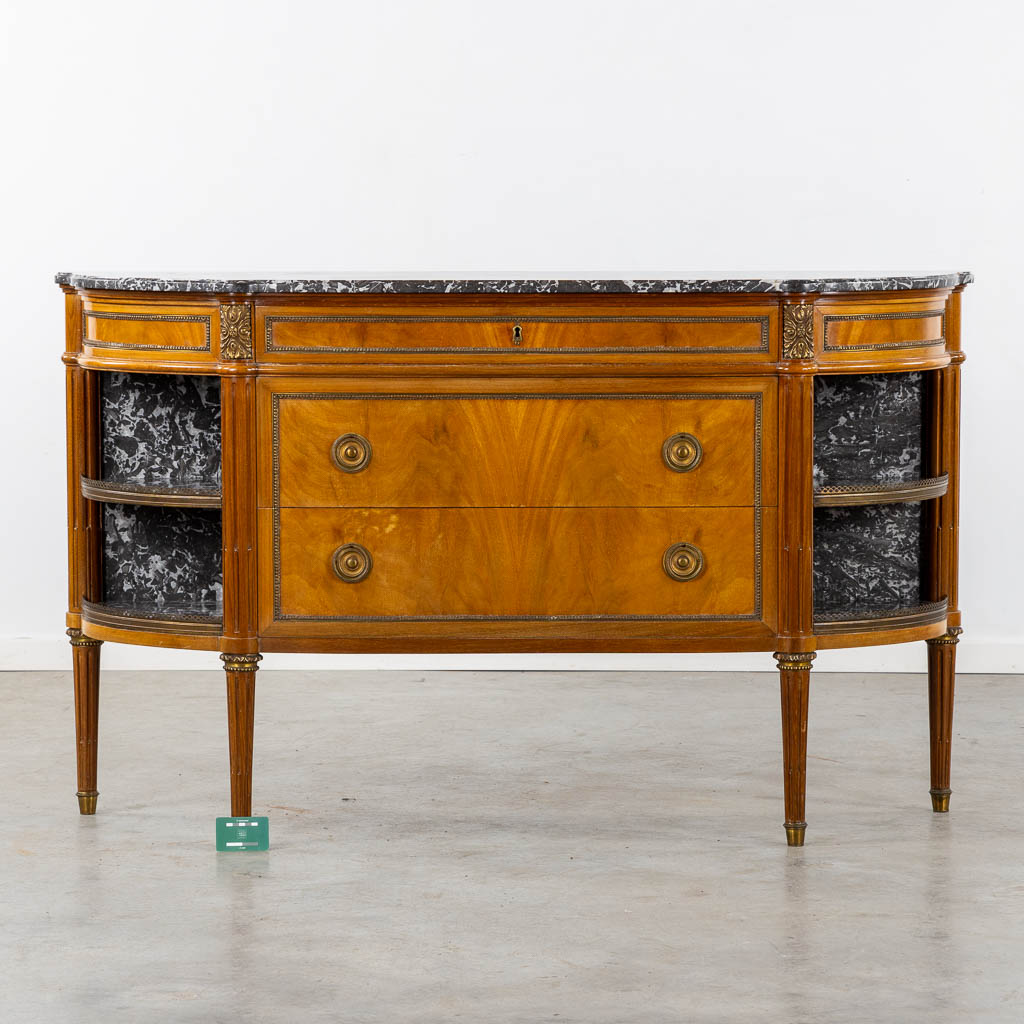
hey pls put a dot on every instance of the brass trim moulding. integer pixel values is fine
(924, 314)
(921, 615)
(881, 494)
(512, 323)
(756, 397)
(241, 662)
(236, 330)
(191, 625)
(798, 331)
(139, 494)
(188, 318)
(78, 639)
(796, 661)
(951, 637)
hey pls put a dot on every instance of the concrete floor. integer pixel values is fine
(506, 847)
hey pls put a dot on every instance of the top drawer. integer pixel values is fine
(332, 333)
(148, 331)
(885, 331)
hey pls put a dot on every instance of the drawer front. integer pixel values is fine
(700, 447)
(879, 332)
(294, 333)
(171, 332)
(513, 563)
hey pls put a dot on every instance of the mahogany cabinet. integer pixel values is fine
(418, 466)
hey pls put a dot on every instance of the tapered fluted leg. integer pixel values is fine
(85, 654)
(241, 679)
(795, 678)
(941, 674)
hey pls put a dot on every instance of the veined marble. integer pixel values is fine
(868, 428)
(575, 286)
(162, 560)
(867, 559)
(161, 429)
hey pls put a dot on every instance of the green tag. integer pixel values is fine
(243, 834)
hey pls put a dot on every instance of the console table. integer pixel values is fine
(385, 466)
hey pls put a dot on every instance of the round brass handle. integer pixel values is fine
(682, 452)
(351, 563)
(351, 453)
(683, 562)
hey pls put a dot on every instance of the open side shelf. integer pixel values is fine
(179, 622)
(167, 496)
(871, 621)
(873, 493)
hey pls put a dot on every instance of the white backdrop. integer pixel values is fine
(580, 138)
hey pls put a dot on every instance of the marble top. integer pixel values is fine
(258, 286)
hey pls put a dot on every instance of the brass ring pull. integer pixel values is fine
(351, 453)
(683, 562)
(682, 452)
(351, 563)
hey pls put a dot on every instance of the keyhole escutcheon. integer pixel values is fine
(517, 335)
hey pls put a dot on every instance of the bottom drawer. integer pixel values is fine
(353, 564)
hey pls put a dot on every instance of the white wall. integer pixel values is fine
(457, 138)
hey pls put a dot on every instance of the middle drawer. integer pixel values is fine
(333, 449)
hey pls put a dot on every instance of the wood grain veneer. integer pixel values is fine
(509, 488)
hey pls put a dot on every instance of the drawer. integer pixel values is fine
(891, 330)
(126, 331)
(512, 563)
(702, 445)
(512, 330)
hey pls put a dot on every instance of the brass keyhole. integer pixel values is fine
(517, 335)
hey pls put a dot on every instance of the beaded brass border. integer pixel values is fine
(138, 494)
(269, 321)
(756, 616)
(846, 495)
(919, 615)
(191, 625)
(192, 318)
(924, 314)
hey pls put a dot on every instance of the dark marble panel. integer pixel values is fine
(161, 429)
(256, 286)
(162, 559)
(867, 559)
(868, 428)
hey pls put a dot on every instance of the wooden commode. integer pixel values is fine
(503, 466)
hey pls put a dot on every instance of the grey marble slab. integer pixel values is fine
(867, 559)
(580, 286)
(161, 429)
(162, 560)
(868, 428)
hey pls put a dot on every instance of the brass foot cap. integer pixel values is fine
(940, 800)
(795, 833)
(87, 802)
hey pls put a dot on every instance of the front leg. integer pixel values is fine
(795, 679)
(941, 674)
(85, 654)
(240, 670)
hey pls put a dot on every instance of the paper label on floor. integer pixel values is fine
(239, 834)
